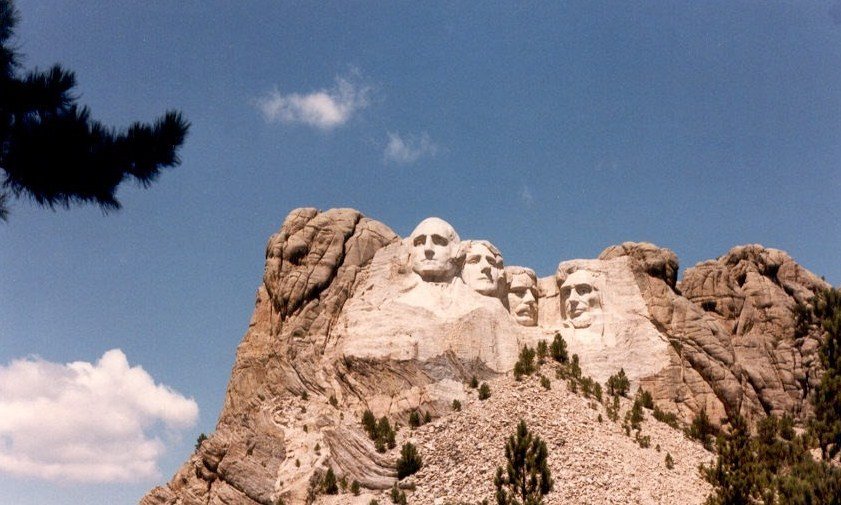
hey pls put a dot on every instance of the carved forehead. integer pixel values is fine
(520, 276)
(577, 277)
(435, 226)
(480, 246)
(521, 281)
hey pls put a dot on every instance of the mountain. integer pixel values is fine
(351, 317)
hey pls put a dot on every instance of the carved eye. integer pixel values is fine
(474, 258)
(419, 240)
(565, 291)
(492, 261)
(583, 289)
(439, 240)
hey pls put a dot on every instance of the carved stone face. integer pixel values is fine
(482, 268)
(580, 299)
(434, 246)
(522, 295)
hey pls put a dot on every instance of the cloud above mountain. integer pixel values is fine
(324, 109)
(406, 149)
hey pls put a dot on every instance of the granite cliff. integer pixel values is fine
(350, 317)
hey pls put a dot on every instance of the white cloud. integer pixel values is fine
(86, 422)
(409, 149)
(324, 109)
(526, 196)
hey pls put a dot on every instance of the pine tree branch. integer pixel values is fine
(53, 152)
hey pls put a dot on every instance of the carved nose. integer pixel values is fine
(429, 253)
(529, 297)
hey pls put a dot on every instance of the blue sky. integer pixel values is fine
(552, 130)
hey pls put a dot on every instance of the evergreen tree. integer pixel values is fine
(525, 364)
(735, 474)
(202, 437)
(612, 409)
(618, 384)
(330, 485)
(669, 418)
(542, 352)
(369, 422)
(645, 398)
(575, 367)
(385, 433)
(597, 390)
(586, 386)
(558, 349)
(54, 153)
(634, 416)
(414, 419)
(398, 497)
(826, 425)
(774, 467)
(410, 461)
(702, 429)
(526, 478)
(809, 482)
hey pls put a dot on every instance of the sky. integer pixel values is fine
(551, 129)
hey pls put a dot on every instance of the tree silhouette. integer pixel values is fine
(526, 477)
(53, 152)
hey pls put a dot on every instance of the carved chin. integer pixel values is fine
(433, 271)
(486, 289)
(525, 320)
(582, 321)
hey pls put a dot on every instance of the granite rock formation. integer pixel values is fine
(730, 325)
(350, 317)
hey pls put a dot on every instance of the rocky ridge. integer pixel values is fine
(722, 338)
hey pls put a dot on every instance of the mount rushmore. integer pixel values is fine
(349, 311)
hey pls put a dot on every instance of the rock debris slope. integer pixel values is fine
(350, 317)
(591, 461)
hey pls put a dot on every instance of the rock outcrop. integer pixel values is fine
(350, 317)
(751, 291)
(730, 325)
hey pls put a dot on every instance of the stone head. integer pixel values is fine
(522, 294)
(483, 267)
(434, 250)
(580, 299)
